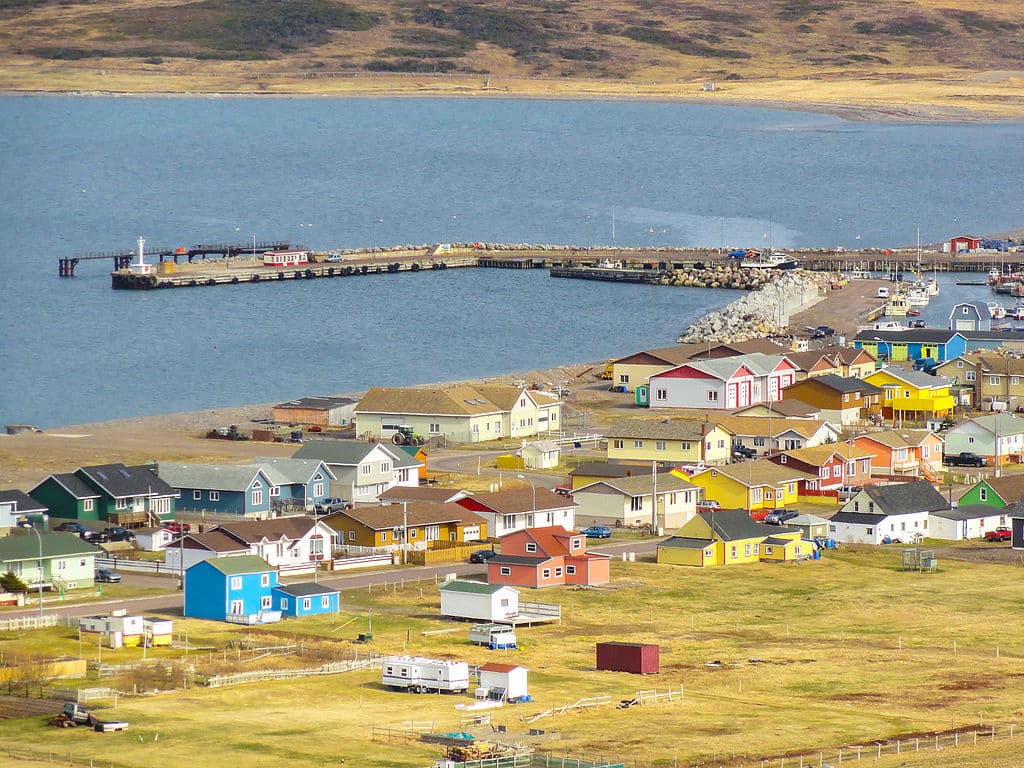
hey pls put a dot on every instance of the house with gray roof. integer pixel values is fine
(885, 513)
(110, 493)
(362, 471)
(235, 489)
(67, 562)
(627, 501)
(728, 383)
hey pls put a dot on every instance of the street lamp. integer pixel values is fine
(534, 488)
(39, 576)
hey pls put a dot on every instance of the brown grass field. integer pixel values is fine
(890, 59)
(848, 651)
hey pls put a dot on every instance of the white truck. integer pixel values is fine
(420, 675)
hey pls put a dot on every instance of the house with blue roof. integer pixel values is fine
(970, 316)
(302, 482)
(305, 599)
(236, 589)
(241, 490)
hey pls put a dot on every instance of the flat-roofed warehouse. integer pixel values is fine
(318, 411)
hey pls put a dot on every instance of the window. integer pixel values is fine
(636, 503)
(983, 494)
(618, 444)
(570, 570)
(531, 546)
(266, 603)
(712, 395)
(257, 496)
(505, 570)
(264, 579)
(638, 443)
(214, 495)
(659, 445)
(661, 394)
(970, 376)
(236, 582)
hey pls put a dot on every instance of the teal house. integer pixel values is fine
(112, 493)
(67, 562)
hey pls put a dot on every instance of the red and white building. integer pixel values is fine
(285, 258)
(727, 383)
(547, 557)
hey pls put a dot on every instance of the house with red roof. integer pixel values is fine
(547, 557)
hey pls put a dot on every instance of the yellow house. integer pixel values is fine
(912, 394)
(723, 537)
(758, 485)
(679, 441)
(426, 525)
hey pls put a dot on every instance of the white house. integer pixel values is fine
(363, 471)
(995, 435)
(478, 601)
(626, 501)
(296, 543)
(510, 679)
(725, 383)
(898, 511)
(969, 522)
(515, 509)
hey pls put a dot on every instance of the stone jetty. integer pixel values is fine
(763, 312)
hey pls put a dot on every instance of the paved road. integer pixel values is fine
(171, 602)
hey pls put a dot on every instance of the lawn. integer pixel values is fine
(847, 650)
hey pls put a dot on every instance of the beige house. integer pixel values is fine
(460, 413)
(669, 440)
(626, 501)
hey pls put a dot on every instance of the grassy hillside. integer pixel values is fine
(617, 43)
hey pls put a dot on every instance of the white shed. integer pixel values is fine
(478, 601)
(152, 539)
(511, 678)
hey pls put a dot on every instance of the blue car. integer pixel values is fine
(597, 532)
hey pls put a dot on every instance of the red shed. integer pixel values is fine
(964, 243)
(638, 658)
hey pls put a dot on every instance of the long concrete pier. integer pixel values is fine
(623, 264)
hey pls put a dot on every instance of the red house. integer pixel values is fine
(547, 557)
(964, 243)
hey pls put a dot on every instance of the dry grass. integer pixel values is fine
(853, 651)
(892, 59)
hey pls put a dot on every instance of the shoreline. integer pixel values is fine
(850, 110)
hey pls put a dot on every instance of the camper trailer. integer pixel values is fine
(419, 675)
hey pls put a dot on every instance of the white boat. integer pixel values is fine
(917, 295)
(998, 310)
(772, 260)
(860, 274)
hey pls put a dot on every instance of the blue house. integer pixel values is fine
(236, 589)
(241, 490)
(970, 316)
(305, 599)
(912, 344)
(303, 482)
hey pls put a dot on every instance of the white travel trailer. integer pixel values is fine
(419, 675)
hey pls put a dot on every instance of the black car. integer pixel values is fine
(779, 516)
(482, 555)
(117, 533)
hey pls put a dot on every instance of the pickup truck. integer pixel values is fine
(964, 459)
(998, 534)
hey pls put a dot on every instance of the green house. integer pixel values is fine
(110, 493)
(997, 492)
(64, 562)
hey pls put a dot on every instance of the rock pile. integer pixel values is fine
(762, 312)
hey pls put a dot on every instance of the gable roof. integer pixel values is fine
(418, 513)
(119, 481)
(907, 498)
(841, 384)
(660, 429)
(218, 477)
(59, 544)
(237, 565)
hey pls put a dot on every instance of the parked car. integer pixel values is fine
(779, 516)
(482, 555)
(327, 506)
(118, 533)
(597, 532)
(999, 534)
(108, 576)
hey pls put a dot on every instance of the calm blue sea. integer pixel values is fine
(84, 174)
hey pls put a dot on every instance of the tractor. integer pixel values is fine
(406, 436)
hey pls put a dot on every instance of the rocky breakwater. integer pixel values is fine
(764, 311)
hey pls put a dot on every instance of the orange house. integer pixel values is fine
(547, 557)
(910, 452)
